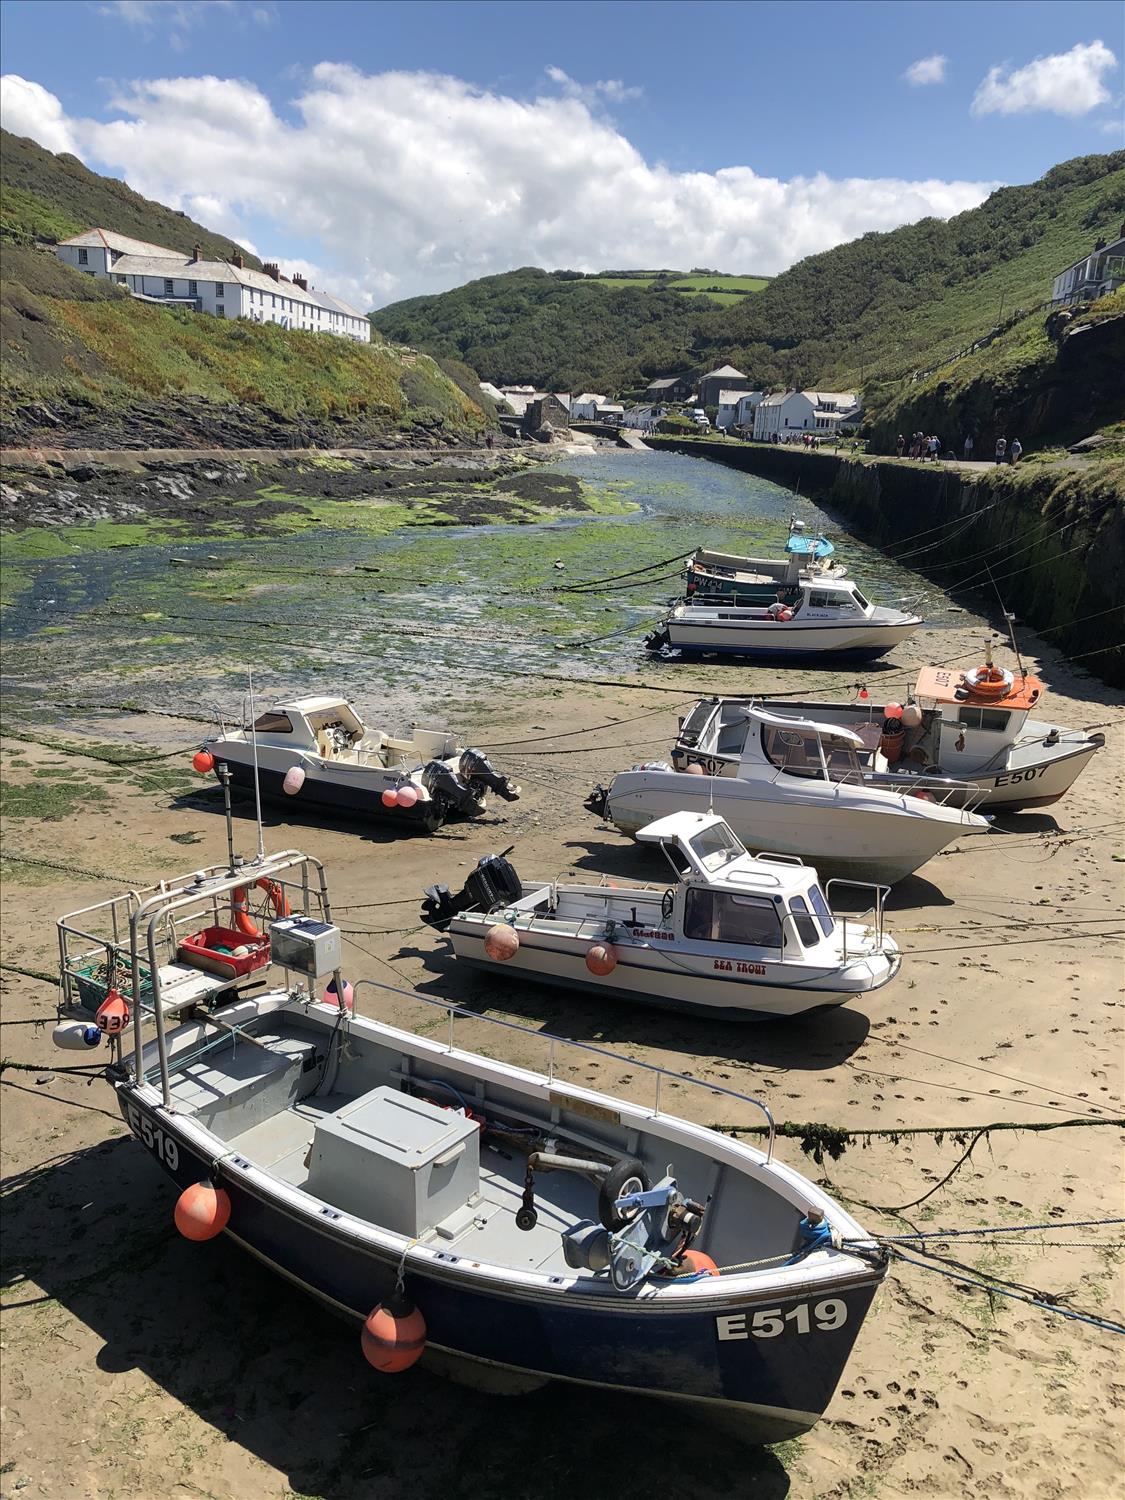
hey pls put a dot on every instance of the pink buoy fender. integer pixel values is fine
(202, 1211)
(693, 768)
(294, 780)
(406, 796)
(394, 1335)
(501, 942)
(332, 998)
(601, 959)
(389, 796)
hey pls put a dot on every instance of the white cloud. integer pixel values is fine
(29, 109)
(927, 70)
(1066, 83)
(612, 89)
(401, 183)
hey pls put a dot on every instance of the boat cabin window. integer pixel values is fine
(273, 723)
(832, 599)
(793, 750)
(714, 916)
(694, 724)
(992, 719)
(841, 757)
(715, 847)
(823, 911)
(859, 599)
(803, 922)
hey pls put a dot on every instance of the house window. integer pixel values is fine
(83, 257)
(193, 288)
(220, 312)
(169, 287)
(219, 289)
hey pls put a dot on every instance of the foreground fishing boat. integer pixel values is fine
(825, 619)
(734, 935)
(797, 788)
(973, 725)
(319, 752)
(449, 1202)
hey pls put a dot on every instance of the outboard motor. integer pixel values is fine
(657, 640)
(474, 768)
(598, 801)
(493, 883)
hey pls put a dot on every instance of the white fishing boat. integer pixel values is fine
(451, 1204)
(319, 752)
(734, 935)
(825, 619)
(727, 576)
(798, 788)
(974, 725)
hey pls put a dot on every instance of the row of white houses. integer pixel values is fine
(225, 289)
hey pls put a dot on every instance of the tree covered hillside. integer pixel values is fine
(883, 306)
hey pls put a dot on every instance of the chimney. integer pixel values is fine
(197, 253)
(236, 260)
(301, 282)
(272, 269)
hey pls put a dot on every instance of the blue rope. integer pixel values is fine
(959, 1276)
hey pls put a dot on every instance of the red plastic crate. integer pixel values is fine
(203, 951)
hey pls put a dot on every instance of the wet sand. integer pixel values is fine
(136, 1365)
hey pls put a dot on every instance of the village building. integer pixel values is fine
(586, 407)
(791, 412)
(736, 408)
(493, 392)
(725, 378)
(1096, 275)
(611, 411)
(671, 388)
(643, 418)
(225, 289)
(543, 415)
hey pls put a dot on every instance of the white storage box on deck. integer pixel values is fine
(397, 1161)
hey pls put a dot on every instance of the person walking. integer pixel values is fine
(1001, 449)
(900, 445)
(968, 447)
(935, 447)
(1015, 450)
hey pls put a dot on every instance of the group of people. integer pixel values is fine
(921, 446)
(1008, 453)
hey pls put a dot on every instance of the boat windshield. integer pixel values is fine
(823, 911)
(693, 725)
(796, 751)
(803, 922)
(715, 847)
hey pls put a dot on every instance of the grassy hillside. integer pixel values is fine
(49, 197)
(883, 307)
(86, 363)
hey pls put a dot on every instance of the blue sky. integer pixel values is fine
(404, 148)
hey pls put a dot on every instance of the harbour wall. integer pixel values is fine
(1052, 535)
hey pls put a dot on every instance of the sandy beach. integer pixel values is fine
(135, 1364)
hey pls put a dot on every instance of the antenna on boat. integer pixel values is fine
(257, 787)
(1009, 620)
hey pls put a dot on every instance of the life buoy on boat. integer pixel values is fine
(989, 681)
(240, 905)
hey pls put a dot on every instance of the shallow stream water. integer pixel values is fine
(426, 619)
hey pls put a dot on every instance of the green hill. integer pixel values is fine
(881, 308)
(85, 363)
(49, 197)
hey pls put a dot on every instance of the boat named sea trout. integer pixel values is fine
(449, 1203)
(825, 619)
(320, 752)
(973, 725)
(733, 936)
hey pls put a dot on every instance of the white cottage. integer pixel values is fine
(586, 407)
(791, 412)
(225, 289)
(736, 408)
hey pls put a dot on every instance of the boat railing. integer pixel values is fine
(658, 1073)
(880, 894)
(940, 789)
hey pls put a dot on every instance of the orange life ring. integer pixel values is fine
(989, 682)
(240, 905)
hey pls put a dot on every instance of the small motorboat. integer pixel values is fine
(452, 1204)
(797, 787)
(825, 619)
(320, 752)
(734, 935)
(973, 725)
(725, 577)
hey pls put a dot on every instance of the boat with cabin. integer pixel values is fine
(733, 935)
(725, 577)
(975, 726)
(825, 619)
(452, 1205)
(795, 786)
(319, 752)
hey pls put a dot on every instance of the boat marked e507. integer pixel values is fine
(162, 1146)
(770, 1322)
(1013, 776)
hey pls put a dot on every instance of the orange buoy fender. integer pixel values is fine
(501, 942)
(240, 906)
(202, 1211)
(112, 1015)
(698, 1261)
(202, 761)
(601, 958)
(394, 1335)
